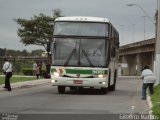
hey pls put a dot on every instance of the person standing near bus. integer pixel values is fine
(7, 69)
(148, 81)
(38, 71)
(34, 69)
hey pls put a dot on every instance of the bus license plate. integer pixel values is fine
(77, 82)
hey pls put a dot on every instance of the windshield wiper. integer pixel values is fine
(85, 54)
(69, 57)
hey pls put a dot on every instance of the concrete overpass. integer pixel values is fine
(136, 56)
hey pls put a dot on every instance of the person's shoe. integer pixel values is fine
(9, 89)
(143, 98)
(5, 88)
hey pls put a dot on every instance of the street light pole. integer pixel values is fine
(122, 27)
(157, 48)
(143, 11)
(144, 27)
(146, 15)
(157, 43)
(133, 32)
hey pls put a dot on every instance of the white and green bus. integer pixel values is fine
(84, 54)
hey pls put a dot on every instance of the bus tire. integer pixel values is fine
(109, 80)
(104, 90)
(61, 89)
(115, 79)
(112, 87)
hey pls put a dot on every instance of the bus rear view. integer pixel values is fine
(84, 54)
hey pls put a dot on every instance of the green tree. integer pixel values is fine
(36, 52)
(2, 52)
(15, 53)
(38, 30)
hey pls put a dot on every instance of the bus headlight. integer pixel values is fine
(56, 74)
(53, 81)
(103, 83)
(100, 76)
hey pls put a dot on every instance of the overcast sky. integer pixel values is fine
(127, 20)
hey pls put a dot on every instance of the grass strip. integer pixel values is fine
(155, 98)
(15, 79)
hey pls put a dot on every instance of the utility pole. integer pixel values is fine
(157, 48)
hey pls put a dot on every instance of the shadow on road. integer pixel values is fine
(85, 91)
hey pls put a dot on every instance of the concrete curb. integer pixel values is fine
(26, 84)
(129, 76)
(149, 104)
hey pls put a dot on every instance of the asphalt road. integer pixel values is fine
(44, 99)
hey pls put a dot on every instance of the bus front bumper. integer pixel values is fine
(83, 82)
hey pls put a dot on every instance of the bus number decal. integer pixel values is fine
(98, 72)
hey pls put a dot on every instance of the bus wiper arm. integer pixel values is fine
(85, 54)
(70, 56)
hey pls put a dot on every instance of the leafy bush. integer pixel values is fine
(29, 71)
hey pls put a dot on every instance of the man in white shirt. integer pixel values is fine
(148, 81)
(7, 69)
(34, 68)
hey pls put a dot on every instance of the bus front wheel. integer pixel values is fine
(61, 89)
(112, 87)
(104, 90)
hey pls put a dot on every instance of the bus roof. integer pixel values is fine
(83, 19)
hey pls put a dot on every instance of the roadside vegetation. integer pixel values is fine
(15, 79)
(156, 101)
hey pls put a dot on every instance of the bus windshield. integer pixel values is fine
(81, 29)
(80, 52)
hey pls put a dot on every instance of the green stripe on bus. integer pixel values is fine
(52, 69)
(106, 72)
(73, 71)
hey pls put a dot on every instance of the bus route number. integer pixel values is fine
(98, 71)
